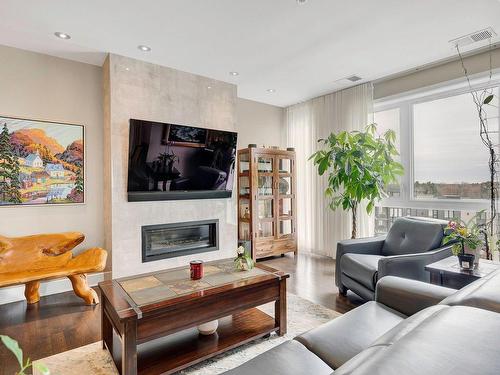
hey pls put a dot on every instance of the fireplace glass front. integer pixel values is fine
(178, 239)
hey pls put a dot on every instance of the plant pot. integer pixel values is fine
(475, 252)
(466, 261)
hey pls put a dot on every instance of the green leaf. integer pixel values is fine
(488, 99)
(13, 346)
(323, 166)
(360, 165)
(43, 369)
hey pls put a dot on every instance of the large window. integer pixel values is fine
(450, 160)
(389, 120)
(445, 161)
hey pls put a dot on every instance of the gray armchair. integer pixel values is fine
(410, 245)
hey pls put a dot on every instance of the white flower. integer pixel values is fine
(240, 250)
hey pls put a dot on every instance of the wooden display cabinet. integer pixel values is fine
(266, 201)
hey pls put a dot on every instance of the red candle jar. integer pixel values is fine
(196, 267)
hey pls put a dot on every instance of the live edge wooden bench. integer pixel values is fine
(31, 259)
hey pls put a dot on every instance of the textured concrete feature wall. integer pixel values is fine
(146, 91)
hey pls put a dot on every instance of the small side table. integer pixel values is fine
(448, 273)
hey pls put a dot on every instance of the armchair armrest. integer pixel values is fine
(369, 245)
(411, 266)
(409, 296)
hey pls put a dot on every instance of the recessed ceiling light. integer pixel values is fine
(144, 48)
(234, 73)
(62, 35)
(209, 87)
(271, 90)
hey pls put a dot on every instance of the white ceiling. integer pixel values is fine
(299, 50)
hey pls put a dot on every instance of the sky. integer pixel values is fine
(65, 135)
(447, 143)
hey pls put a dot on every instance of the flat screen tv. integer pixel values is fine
(168, 161)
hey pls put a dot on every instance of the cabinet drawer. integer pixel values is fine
(275, 247)
(284, 245)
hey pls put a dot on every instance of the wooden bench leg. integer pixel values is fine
(31, 292)
(82, 289)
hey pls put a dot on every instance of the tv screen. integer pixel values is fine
(168, 161)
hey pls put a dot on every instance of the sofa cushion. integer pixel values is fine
(409, 296)
(483, 293)
(342, 338)
(289, 358)
(361, 267)
(439, 340)
(412, 235)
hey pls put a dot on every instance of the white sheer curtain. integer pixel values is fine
(319, 228)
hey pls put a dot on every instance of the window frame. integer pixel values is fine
(405, 102)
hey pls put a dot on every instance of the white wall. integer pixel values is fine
(259, 123)
(146, 91)
(42, 87)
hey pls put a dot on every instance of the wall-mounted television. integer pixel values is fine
(169, 161)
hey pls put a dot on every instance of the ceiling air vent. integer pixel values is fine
(474, 37)
(354, 78)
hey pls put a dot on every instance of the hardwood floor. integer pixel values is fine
(61, 322)
(312, 278)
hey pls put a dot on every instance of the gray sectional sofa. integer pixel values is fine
(411, 328)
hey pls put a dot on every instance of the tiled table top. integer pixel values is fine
(164, 285)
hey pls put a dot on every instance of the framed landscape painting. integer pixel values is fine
(41, 162)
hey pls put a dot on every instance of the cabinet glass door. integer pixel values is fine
(284, 165)
(265, 196)
(285, 173)
(285, 197)
(285, 228)
(244, 162)
(285, 207)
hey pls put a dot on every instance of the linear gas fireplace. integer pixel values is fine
(178, 239)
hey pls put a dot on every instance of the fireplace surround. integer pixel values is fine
(179, 239)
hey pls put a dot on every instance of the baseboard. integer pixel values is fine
(16, 293)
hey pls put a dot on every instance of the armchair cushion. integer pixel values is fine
(410, 235)
(361, 267)
(369, 245)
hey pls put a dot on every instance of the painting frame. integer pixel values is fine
(83, 167)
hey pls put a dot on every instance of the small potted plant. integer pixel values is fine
(243, 261)
(466, 239)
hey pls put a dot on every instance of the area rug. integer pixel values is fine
(303, 315)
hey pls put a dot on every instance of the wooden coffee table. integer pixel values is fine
(149, 321)
(447, 272)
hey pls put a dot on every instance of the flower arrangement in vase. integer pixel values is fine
(243, 261)
(466, 239)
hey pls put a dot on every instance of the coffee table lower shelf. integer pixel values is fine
(177, 351)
